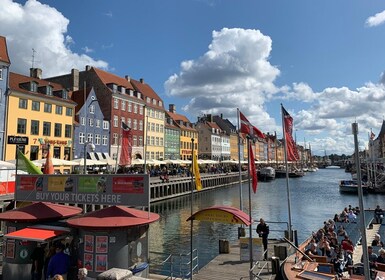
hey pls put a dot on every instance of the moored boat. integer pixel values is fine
(266, 173)
(351, 186)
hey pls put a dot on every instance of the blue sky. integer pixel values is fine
(324, 60)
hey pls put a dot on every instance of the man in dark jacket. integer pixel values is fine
(263, 231)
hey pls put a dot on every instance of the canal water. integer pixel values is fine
(314, 198)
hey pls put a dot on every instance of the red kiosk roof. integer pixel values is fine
(40, 211)
(35, 234)
(113, 217)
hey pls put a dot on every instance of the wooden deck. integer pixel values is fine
(229, 267)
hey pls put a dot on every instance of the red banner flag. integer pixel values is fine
(126, 150)
(252, 168)
(48, 166)
(248, 128)
(291, 148)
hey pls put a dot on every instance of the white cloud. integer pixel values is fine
(87, 49)
(235, 67)
(43, 28)
(376, 20)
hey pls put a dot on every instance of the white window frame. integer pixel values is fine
(104, 140)
(106, 125)
(97, 139)
(81, 137)
(116, 103)
(116, 121)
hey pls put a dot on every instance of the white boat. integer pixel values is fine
(266, 173)
(351, 186)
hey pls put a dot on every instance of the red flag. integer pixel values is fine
(252, 169)
(291, 148)
(248, 128)
(48, 166)
(126, 150)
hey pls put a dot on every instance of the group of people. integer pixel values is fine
(54, 263)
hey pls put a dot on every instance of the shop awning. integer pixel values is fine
(35, 234)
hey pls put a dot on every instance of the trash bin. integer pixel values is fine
(138, 268)
(274, 265)
(224, 247)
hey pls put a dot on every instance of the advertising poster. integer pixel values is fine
(101, 263)
(88, 243)
(10, 250)
(89, 261)
(101, 244)
(28, 183)
(245, 250)
(56, 184)
(128, 185)
(88, 184)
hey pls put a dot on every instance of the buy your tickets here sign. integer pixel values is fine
(130, 190)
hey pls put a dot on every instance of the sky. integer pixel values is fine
(323, 60)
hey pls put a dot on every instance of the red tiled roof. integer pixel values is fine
(16, 79)
(147, 91)
(177, 118)
(40, 211)
(213, 125)
(114, 217)
(108, 78)
(4, 51)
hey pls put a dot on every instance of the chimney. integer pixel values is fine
(209, 118)
(88, 67)
(141, 80)
(172, 108)
(127, 78)
(35, 73)
(222, 116)
(75, 79)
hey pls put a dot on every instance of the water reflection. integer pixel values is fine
(314, 198)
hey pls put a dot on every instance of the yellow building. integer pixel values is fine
(43, 113)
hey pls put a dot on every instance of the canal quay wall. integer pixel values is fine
(180, 186)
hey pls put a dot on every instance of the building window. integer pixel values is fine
(157, 127)
(49, 90)
(35, 127)
(97, 123)
(21, 126)
(152, 140)
(83, 121)
(35, 106)
(68, 111)
(152, 126)
(68, 131)
(90, 122)
(140, 125)
(105, 124)
(47, 108)
(1, 73)
(135, 108)
(161, 141)
(129, 122)
(115, 139)
(135, 140)
(156, 141)
(23, 103)
(140, 141)
(123, 120)
(116, 121)
(135, 124)
(33, 86)
(123, 105)
(129, 107)
(67, 153)
(104, 140)
(116, 103)
(90, 138)
(46, 128)
(140, 110)
(161, 128)
(81, 137)
(97, 139)
(92, 109)
(56, 152)
(59, 110)
(34, 153)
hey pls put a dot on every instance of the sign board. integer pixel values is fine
(129, 190)
(18, 140)
(245, 249)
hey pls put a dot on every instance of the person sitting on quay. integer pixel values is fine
(344, 215)
(372, 258)
(336, 218)
(377, 240)
(378, 214)
(381, 256)
(341, 231)
(347, 245)
(352, 217)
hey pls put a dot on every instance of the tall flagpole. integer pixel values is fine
(192, 199)
(287, 173)
(239, 164)
(251, 220)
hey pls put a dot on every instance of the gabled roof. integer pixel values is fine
(4, 51)
(177, 117)
(108, 78)
(213, 125)
(147, 91)
(16, 79)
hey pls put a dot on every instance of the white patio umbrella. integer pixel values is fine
(55, 162)
(7, 165)
(137, 161)
(89, 162)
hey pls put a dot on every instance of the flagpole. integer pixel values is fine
(287, 173)
(369, 175)
(251, 220)
(373, 160)
(192, 197)
(239, 164)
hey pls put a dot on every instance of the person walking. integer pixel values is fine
(37, 258)
(263, 231)
(59, 263)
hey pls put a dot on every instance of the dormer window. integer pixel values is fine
(113, 87)
(49, 90)
(139, 95)
(148, 100)
(154, 102)
(33, 86)
(131, 92)
(64, 94)
(122, 90)
(160, 103)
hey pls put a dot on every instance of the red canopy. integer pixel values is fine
(222, 214)
(113, 217)
(35, 234)
(40, 211)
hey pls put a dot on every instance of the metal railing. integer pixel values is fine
(173, 266)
